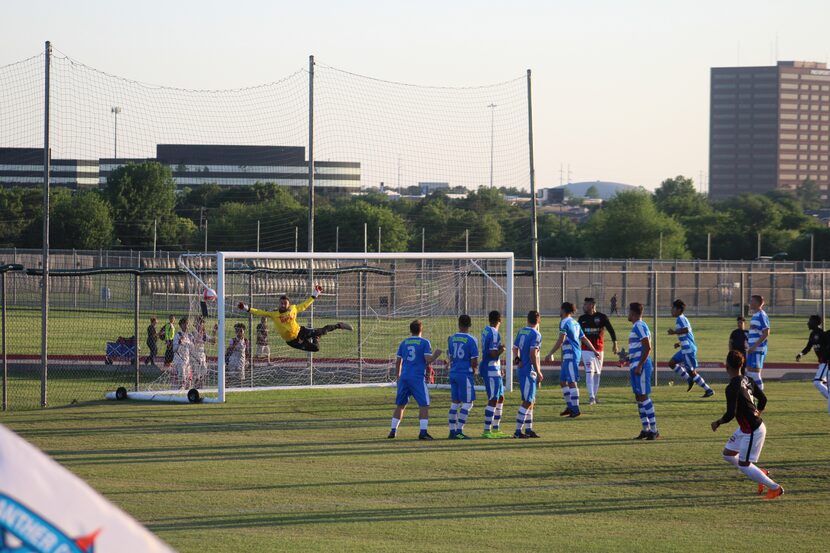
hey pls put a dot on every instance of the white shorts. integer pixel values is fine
(263, 351)
(748, 446)
(592, 362)
(821, 373)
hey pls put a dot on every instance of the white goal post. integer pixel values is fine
(471, 263)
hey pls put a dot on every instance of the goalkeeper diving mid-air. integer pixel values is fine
(285, 321)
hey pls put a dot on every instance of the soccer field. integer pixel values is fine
(312, 471)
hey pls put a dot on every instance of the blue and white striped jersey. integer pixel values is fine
(759, 323)
(635, 345)
(572, 332)
(687, 341)
(490, 341)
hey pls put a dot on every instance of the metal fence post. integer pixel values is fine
(743, 294)
(137, 360)
(5, 359)
(250, 327)
(823, 300)
(654, 325)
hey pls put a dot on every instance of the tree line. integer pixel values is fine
(140, 206)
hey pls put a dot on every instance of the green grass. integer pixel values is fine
(311, 471)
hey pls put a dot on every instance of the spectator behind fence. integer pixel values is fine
(168, 332)
(152, 342)
(262, 347)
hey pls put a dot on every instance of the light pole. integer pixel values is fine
(492, 116)
(115, 111)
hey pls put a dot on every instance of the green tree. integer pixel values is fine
(139, 195)
(809, 194)
(559, 237)
(629, 225)
(677, 197)
(350, 218)
(82, 220)
(592, 192)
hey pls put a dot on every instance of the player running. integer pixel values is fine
(594, 324)
(745, 401)
(285, 321)
(759, 331)
(570, 336)
(526, 357)
(640, 369)
(462, 349)
(818, 341)
(414, 354)
(684, 362)
(493, 376)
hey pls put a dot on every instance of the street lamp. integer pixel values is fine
(115, 111)
(492, 114)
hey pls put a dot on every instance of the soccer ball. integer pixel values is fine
(209, 294)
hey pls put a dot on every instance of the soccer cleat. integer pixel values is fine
(424, 435)
(596, 401)
(344, 326)
(488, 434)
(592, 401)
(461, 436)
(575, 414)
(709, 393)
(565, 413)
(531, 434)
(499, 434)
(642, 435)
(772, 494)
(691, 383)
(517, 434)
(653, 436)
(391, 435)
(452, 435)
(761, 486)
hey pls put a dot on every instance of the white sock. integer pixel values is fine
(424, 424)
(575, 398)
(731, 459)
(453, 417)
(462, 415)
(395, 423)
(589, 383)
(497, 415)
(755, 474)
(529, 420)
(566, 394)
(822, 388)
(520, 418)
(596, 385)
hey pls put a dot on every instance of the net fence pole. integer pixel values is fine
(310, 201)
(823, 298)
(534, 238)
(137, 310)
(44, 315)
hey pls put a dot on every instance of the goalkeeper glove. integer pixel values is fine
(243, 306)
(316, 291)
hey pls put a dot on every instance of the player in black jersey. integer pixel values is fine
(819, 342)
(744, 402)
(594, 324)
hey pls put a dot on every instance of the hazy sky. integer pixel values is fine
(620, 88)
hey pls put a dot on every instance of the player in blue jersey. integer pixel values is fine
(462, 349)
(526, 357)
(640, 370)
(414, 354)
(489, 368)
(759, 331)
(684, 362)
(570, 336)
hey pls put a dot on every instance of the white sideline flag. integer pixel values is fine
(44, 508)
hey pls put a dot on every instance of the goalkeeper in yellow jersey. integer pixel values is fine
(285, 321)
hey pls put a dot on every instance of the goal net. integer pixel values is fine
(377, 295)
